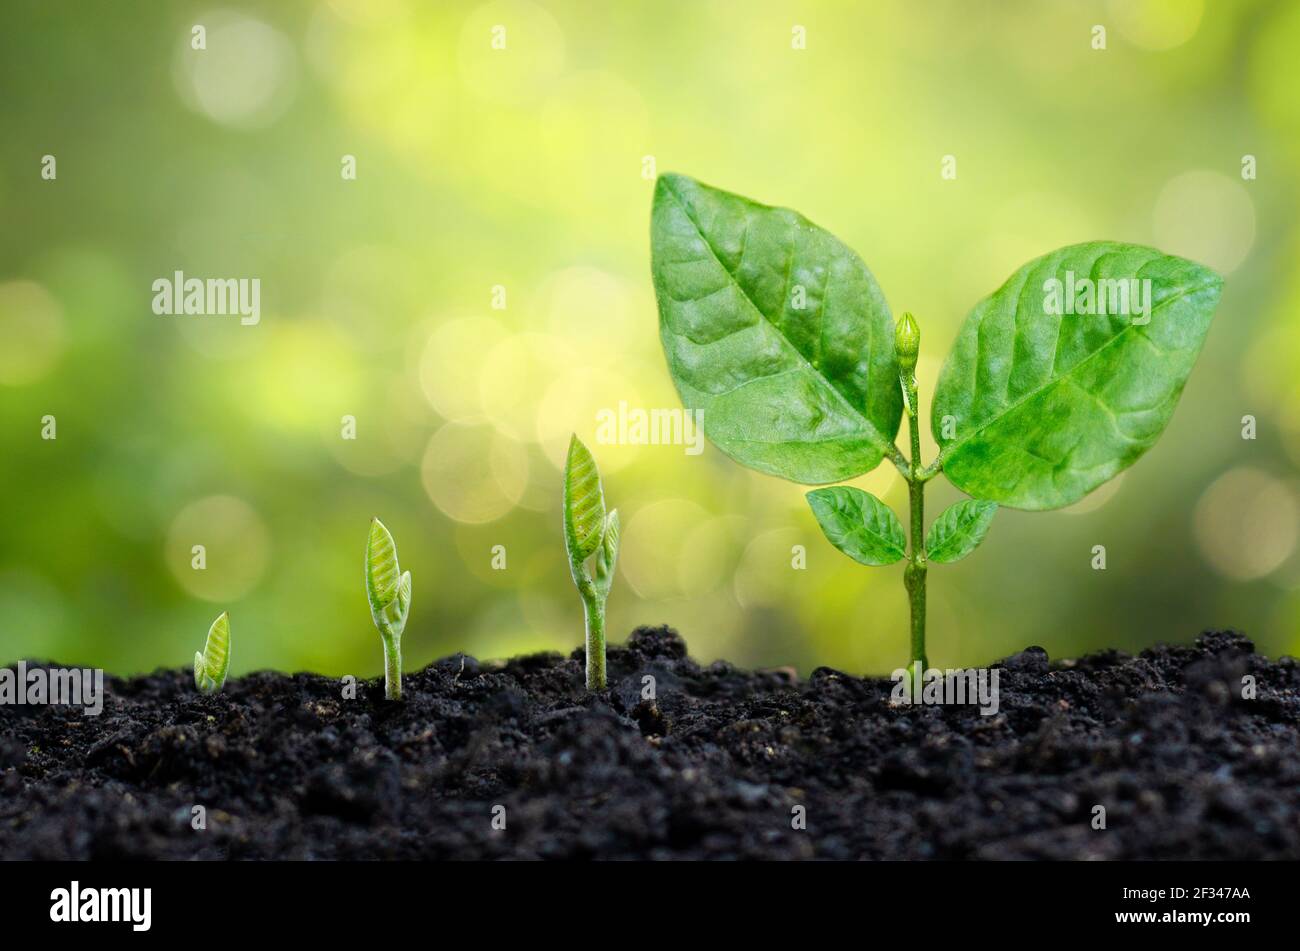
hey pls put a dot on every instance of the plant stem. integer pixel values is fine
(392, 667)
(594, 609)
(915, 572)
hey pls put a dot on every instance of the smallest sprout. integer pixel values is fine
(211, 665)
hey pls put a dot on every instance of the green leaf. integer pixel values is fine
(400, 607)
(211, 665)
(1045, 407)
(387, 587)
(607, 557)
(859, 524)
(584, 504)
(776, 331)
(959, 530)
(382, 569)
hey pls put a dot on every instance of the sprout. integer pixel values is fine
(388, 589)
(211, 665)
(589, 531)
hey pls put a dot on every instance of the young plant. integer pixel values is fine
(388, 589)
(589, 531)
(211, 665)
(1060, 379)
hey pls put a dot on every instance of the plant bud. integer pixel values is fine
(907, 342)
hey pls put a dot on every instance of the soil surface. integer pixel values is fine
(714, 767)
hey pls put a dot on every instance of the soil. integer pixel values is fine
(713, 768)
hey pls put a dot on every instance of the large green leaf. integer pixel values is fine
(1045, 407)
(959, 530)
(776, 330)
(858, 524)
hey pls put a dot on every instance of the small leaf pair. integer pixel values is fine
(868, 531)
(388, 589)
(589, 531)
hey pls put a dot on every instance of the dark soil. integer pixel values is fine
(713, 768)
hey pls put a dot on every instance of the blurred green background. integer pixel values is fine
(527, 169)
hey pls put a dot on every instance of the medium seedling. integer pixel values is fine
(589, 531)
(388, 589)
(211, 666)
(780, 336)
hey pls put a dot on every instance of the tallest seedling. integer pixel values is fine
(589, 531)
(780, 336)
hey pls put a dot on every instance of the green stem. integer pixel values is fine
(392, 667)
(915, 573)
(594, 608)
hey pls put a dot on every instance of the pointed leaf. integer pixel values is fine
(382, 569)
(859, 524)
(776, 331)
(584, 503)
(1036, 409)
(959, 530)
(210, 667)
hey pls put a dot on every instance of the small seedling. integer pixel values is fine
(388, 589)
(211, 665)
(780, 336)
(589, 531)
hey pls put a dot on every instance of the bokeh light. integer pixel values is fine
(474, 474)
(245, 76)
(1207, 217)
(481, 291)
(510, 51)
(1156, 24)
(235, 548)
(1247, 523)
(32, 328)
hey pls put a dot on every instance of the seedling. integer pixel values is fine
(589, 531)
(779, 334)
(211, 665)
(388, 589)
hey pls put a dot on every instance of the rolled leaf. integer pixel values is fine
(1034, 408)
(959, 530)
(211, 666)
(776, 331)
(859, 524)
(382, 570)
(584, 504)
